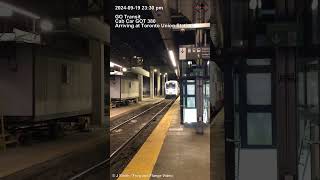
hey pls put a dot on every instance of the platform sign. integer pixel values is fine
(182, 53)
(190, 52)
(285, 34)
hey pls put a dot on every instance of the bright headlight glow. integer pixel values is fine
(172, 58)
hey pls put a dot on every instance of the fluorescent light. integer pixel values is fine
(114, 64)
(19, 10)
(173, 59)
(314, 5)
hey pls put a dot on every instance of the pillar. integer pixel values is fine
(97, 75)
(140, 77)
(163, 84)
(158, 83)
(151, 82)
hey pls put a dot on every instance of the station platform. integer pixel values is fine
(115, 112)
(56, 159)
(172, 151)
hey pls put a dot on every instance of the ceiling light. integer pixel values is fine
(19, 10)
(173, 59)
(314, 5)
(114, 64)
(155, 70)
(124, 69)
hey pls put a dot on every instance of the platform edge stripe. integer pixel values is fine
(142, 164)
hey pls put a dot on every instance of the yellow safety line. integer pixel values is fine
(141, 166)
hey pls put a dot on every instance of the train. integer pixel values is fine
(172, 89)
(41, 88)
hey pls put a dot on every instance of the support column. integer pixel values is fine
(140, 77)
(97, 75)
(163, 84)
(158, 83)
(151, 82)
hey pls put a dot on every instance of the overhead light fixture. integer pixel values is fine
(155, 70)
(19, 10)
(46, 25)
(172, 58)
(160, 74)
(124, 69)
(114, 64)
(253, 4)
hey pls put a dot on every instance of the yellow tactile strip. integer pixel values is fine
(141, 166)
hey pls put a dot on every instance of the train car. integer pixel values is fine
(124, 89)
(43, 87)
(216, 88)
(172, 89)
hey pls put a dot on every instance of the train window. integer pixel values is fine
(191, 102)
(66, 71)
(191, 89)
(259, 127)
(259, 89)
(170, 85)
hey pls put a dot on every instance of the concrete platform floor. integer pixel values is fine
(217, 151)
(55, 157)
(185, 155)
(172, 151)
(114, 112)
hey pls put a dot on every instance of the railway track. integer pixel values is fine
(123, 133)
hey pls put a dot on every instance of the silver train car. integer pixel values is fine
(172, 89)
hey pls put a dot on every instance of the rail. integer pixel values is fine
(116, 152)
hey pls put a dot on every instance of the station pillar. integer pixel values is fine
(151, 82)
(163, 84)
(97, 75)
(140, 77)
(158, 83)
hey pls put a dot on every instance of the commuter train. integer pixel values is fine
(172, 89)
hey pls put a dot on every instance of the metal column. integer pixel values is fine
(158, 83)
(151, 82)
(97, 56)
(140, 77)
